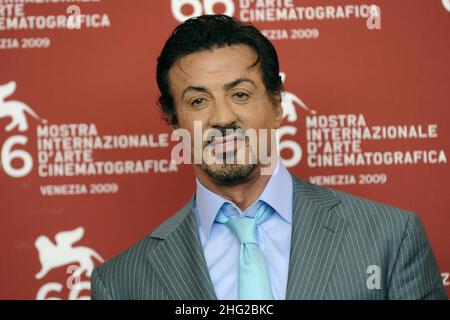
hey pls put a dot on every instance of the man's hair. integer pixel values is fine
(210, 32)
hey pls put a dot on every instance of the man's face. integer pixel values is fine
(223, 89)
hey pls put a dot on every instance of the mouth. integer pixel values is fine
(226, 144)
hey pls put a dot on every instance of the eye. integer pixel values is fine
(241, 96)
(198, 102)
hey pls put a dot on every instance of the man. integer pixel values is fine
(250, 235)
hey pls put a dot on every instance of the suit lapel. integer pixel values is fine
(317, 232)
(179, 261)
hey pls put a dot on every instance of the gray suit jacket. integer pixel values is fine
(343, 247)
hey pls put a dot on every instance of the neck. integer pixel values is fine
(242, 194)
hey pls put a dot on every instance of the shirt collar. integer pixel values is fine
(277, 193)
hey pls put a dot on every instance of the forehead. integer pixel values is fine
(214, 67)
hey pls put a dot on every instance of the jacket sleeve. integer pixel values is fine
(415, 273)
(99, 291)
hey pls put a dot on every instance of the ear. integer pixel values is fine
(278, 109)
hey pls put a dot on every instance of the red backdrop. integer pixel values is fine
(66, 202)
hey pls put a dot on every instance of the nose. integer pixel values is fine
(222, 115)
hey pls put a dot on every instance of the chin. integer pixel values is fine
(229, 173)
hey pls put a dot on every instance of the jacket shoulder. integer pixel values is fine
(381, 235)
(120, 276)
(370, 219)
(358, 208)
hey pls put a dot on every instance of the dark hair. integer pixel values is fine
(208, 32)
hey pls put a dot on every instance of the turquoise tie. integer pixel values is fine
(253, 278)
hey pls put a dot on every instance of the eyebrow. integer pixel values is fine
(236, 82)
(226, 86)
(194, 88)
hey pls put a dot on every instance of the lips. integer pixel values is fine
(226, 144)
(215, 140)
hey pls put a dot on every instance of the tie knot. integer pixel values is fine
(245, 228)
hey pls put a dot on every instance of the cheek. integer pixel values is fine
(192, 122)
(266, 115)
(185, 120)
(265, 119)
(195, 126)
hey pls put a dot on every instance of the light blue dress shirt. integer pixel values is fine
(221, 247)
